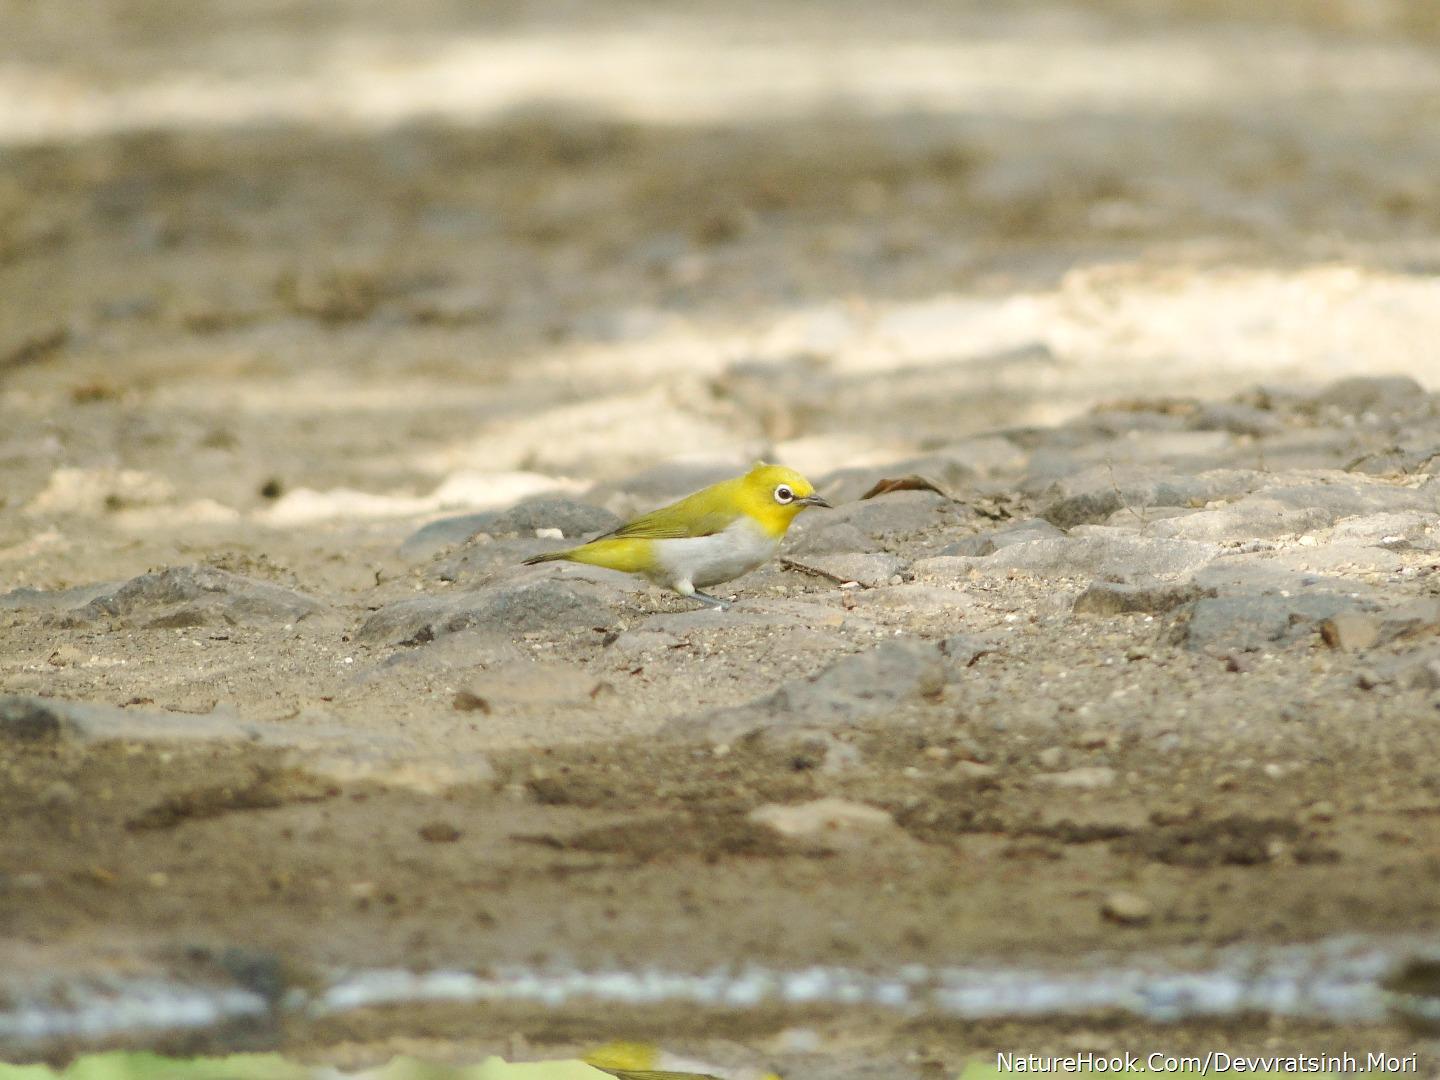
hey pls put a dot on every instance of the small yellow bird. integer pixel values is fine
(716, 534)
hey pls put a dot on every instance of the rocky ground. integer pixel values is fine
(1139, 660)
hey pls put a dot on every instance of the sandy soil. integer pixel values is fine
(280, 286)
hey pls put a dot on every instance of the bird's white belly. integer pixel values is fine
(709, 560)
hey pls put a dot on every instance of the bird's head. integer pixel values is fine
(773, 495)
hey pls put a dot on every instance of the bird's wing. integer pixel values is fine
(689, 517)
(656, 527)
(646, 1074)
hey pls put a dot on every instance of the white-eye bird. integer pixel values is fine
(716, 534)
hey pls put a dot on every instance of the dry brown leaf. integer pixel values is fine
(913, 482)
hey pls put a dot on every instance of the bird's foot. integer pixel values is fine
(710, 601)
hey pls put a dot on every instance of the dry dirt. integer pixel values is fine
(280, 285)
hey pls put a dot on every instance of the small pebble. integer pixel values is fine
(1350, 631)
(1127, 909)
(976, 770)
(465, 701)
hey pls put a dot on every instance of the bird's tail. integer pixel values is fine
(626, 554)
(549, 556)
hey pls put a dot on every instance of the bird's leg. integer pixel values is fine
(709, 601)
(686, 589)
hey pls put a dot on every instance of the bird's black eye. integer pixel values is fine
(783, 494)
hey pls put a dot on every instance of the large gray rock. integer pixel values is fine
(1184, 452)
(1095, 493)
(1139, 521)
(1373, 395)
(1347, 558)
(1237, 418)
(1251, 622)
(859, 687)
(869, 682)
(55, 600)
(44, 719)
(323, 750)
(868, 570)
(1102, 552)
(1012, 532)
(1116, 598)
(512, 607)
(1342, 495)
(886, 516)
(1253, 572)
(1251, 603)
(481, 560)
(1304, 448)
(1413, 456)
(1251, 518)
(1255, 505)
(820, 537)
(1396, 531)
(175, 596)
(438, 535)
(1299, 504)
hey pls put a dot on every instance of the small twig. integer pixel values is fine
(813, 571)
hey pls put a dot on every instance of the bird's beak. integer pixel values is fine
(814, 500)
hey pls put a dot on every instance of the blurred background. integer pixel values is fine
(282, 282)
(446, 254)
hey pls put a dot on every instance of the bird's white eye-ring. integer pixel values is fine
(783, 494)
